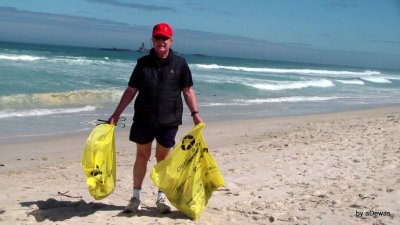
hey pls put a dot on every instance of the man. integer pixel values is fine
(159, 79)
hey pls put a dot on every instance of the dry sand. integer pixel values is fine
(317, 169)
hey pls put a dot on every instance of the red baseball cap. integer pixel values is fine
(162, 29)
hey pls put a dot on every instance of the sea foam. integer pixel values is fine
(286, 99)
(289, 71)
(20, 57)
(243, 102)
(283, 85)
(355, 82)
(376, 79)
(43, 112)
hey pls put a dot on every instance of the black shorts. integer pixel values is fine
(143, 134)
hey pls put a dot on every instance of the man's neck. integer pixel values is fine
(163, 55)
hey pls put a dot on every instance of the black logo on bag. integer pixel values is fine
(188, 142)
(96, 171)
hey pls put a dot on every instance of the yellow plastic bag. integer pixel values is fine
(189, 174)
(98, 161)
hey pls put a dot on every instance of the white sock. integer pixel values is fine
(136, 193)
(160, 195)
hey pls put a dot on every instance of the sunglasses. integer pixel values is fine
(159, 37)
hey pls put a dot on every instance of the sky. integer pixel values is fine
(339, 32)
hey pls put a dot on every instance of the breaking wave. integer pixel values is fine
(239, 102)
(14, 57)
(289, 71)
(43, 112)
(284, 85)
(60, 98)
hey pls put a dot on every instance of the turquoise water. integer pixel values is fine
(47, 90)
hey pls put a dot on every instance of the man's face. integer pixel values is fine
(161, 45)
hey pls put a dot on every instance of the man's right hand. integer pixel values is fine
(113, 119)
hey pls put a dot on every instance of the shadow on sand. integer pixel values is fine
(55, 210)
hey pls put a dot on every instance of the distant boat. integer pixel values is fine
(143, 49)
(114, 49)
(200, 55)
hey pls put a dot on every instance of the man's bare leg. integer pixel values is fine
(161, 152)
(161, 203)
(143, 154)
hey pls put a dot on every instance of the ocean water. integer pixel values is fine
(56, 90)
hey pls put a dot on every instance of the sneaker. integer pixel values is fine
(162, 206)
(133, 206)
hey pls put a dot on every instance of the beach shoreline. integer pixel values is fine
(309, 169)
(211, 118)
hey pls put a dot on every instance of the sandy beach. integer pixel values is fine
(339, 168)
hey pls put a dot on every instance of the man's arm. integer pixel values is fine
(191, 102)
(126, 99)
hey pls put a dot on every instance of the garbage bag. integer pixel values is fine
(189, 174)
(98, 161)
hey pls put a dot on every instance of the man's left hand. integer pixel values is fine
(197, 118)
